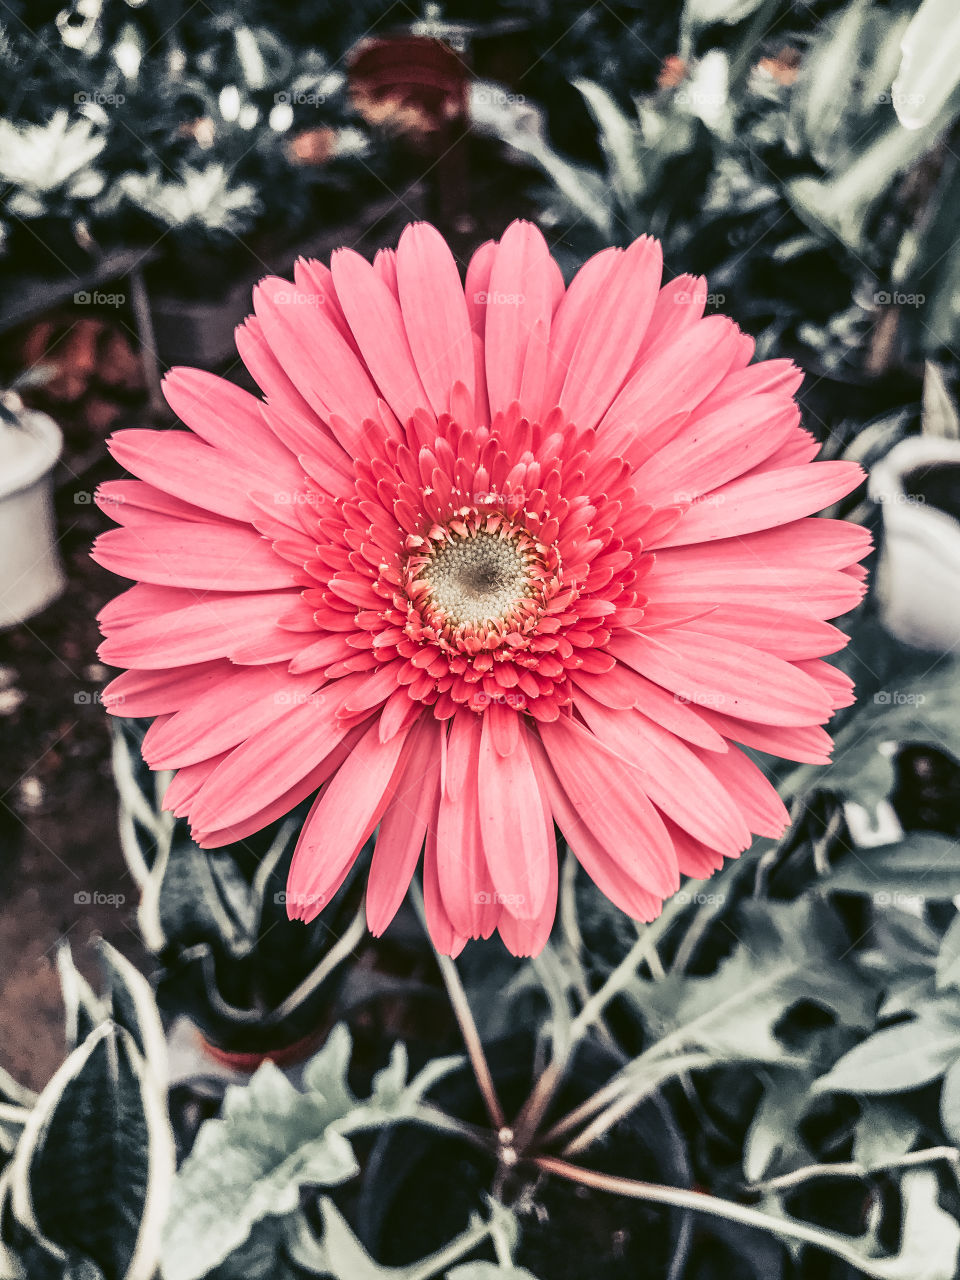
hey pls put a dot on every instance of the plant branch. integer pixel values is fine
(468, 1028)
(853, 1169)
(680, 1198)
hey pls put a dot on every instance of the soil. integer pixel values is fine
(62, 875)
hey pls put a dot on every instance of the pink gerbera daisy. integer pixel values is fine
(484, 562)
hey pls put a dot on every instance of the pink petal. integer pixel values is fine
(672, 775)
(728, 676)
(464, 879)
(519, 304)
(513, 826)
(605, 794)
(243, 702)
(212, 627)
(343, 817)
(404, 823)
(765, 500)
(211, 557)
(270, 762)
(434, 313)
(179, 463)
(612, 333)
(376, 320)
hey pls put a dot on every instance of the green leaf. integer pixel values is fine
(898, 1058)
(840, 205)
(940, 416)
(930, 1239)
(787, 953)
(923, 864)
(699, 14)
(340, 1255)
(132, 1006)
(91, 1173)
(619, 140)
(917, 708)
(248, 1165)
(489, 1271)
(950, 1103)
(885, 1131)
(948, 959)
(771, 1144)
(13, 1092)
(930, 70)
(84, 1011)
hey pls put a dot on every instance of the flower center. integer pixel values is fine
(478, 580)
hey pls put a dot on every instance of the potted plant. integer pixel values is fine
(917, 487)
(54, 172)
(31, 573)
(253, 983)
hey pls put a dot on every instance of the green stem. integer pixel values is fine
(853, 1169)
(680, 1198)
(468, 1028)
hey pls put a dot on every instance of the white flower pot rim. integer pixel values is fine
(47, 440)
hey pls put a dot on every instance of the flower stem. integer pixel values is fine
(468, 1028)
(679, 1197)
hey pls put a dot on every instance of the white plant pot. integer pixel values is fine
(31, 572)
(918, 579)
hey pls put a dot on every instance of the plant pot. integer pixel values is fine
(918, 579)
(31, 573)
(421, 1187)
